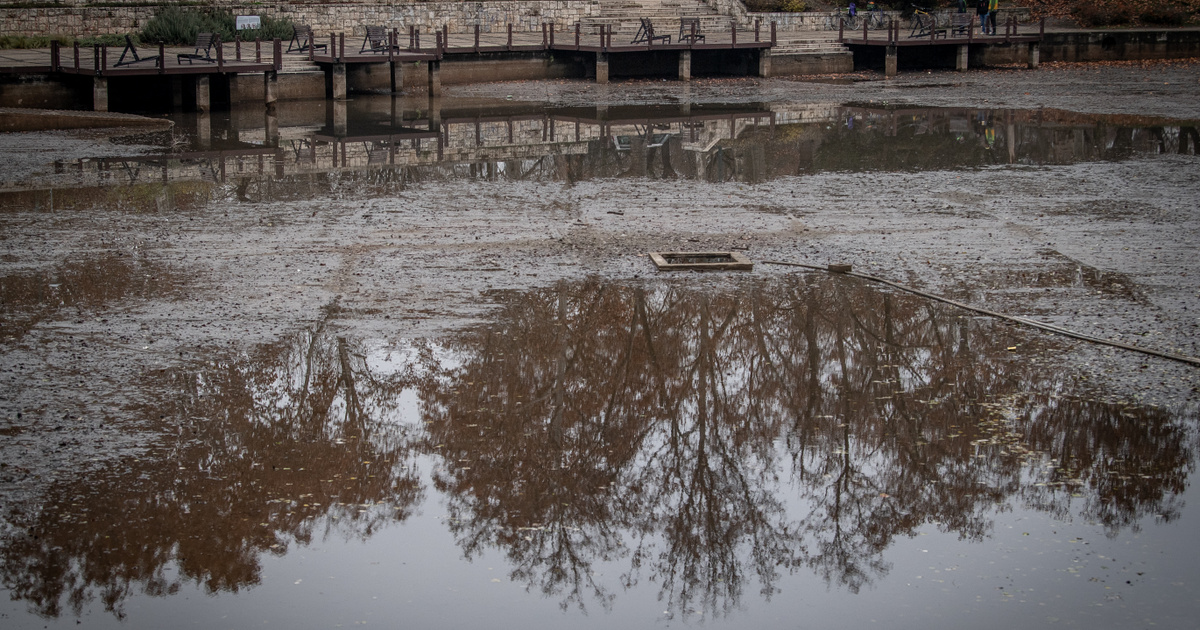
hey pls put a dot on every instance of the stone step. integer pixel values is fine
(298, 63)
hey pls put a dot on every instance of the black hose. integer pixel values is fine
(1020, 320)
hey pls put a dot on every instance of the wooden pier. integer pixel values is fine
(595, 53)
(335, 54)
(957, 40)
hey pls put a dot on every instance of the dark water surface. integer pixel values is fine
(795, 451)
(380, 144)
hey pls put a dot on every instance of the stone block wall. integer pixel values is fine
(338, 17)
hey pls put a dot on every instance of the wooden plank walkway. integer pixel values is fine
(415, 46)
(1013, 32)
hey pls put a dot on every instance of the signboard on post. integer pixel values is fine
(246, 22)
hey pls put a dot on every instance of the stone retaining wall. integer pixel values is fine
(341, 17)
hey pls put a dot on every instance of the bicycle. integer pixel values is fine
(834, 20)
(875, 19)
(923, 22)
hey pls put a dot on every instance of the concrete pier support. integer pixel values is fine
(889, 63)
(337, 84)
(435, 79)
(234, 87)
(397, 76)
(204, 130)
(764, 63)
(339, 117)
(435, 113)
(100, 94)
(1035, 54)
(203, 93)
(270, 89)
(271, 128)
(685, 65)
(602, 67)
(960, 58)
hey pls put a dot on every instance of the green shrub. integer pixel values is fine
(107, 40)
(180, 26)
(33, 41)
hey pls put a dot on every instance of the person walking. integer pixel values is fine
(993, 9)
(981, 9)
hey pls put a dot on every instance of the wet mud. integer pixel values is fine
(211, 363)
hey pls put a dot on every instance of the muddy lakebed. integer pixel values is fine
(396, 361)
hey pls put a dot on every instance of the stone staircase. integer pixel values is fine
(624, 17)
(293, 62)
(809, 45)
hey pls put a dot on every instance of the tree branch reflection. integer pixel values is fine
(709, 439)
(291, 443)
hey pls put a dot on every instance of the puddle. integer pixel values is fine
(380, 145)
(637, 451)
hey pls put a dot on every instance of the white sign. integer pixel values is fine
(248, 22)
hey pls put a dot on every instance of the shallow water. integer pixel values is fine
(732, 450)
(748, 452)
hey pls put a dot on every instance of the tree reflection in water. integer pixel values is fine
(703, 436)
(286, 445)
(707, 438)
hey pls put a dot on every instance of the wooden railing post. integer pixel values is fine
(477, 38)
(509, 45)
(733, 32)
(277, 57)
(54, 55)
(257, 50)
(237, 47)
(161, 62)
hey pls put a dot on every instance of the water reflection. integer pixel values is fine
(706, 441)
(87, 285)
(378, 145)
(293, 443)
(713, 440)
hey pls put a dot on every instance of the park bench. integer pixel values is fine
(302, 39)
(377, 40)
(131, 49)
(689, 31)
(204, 42)
(960, 23)
(645, 34)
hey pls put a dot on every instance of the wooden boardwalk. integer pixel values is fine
(414, 46)
(1012, 32)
